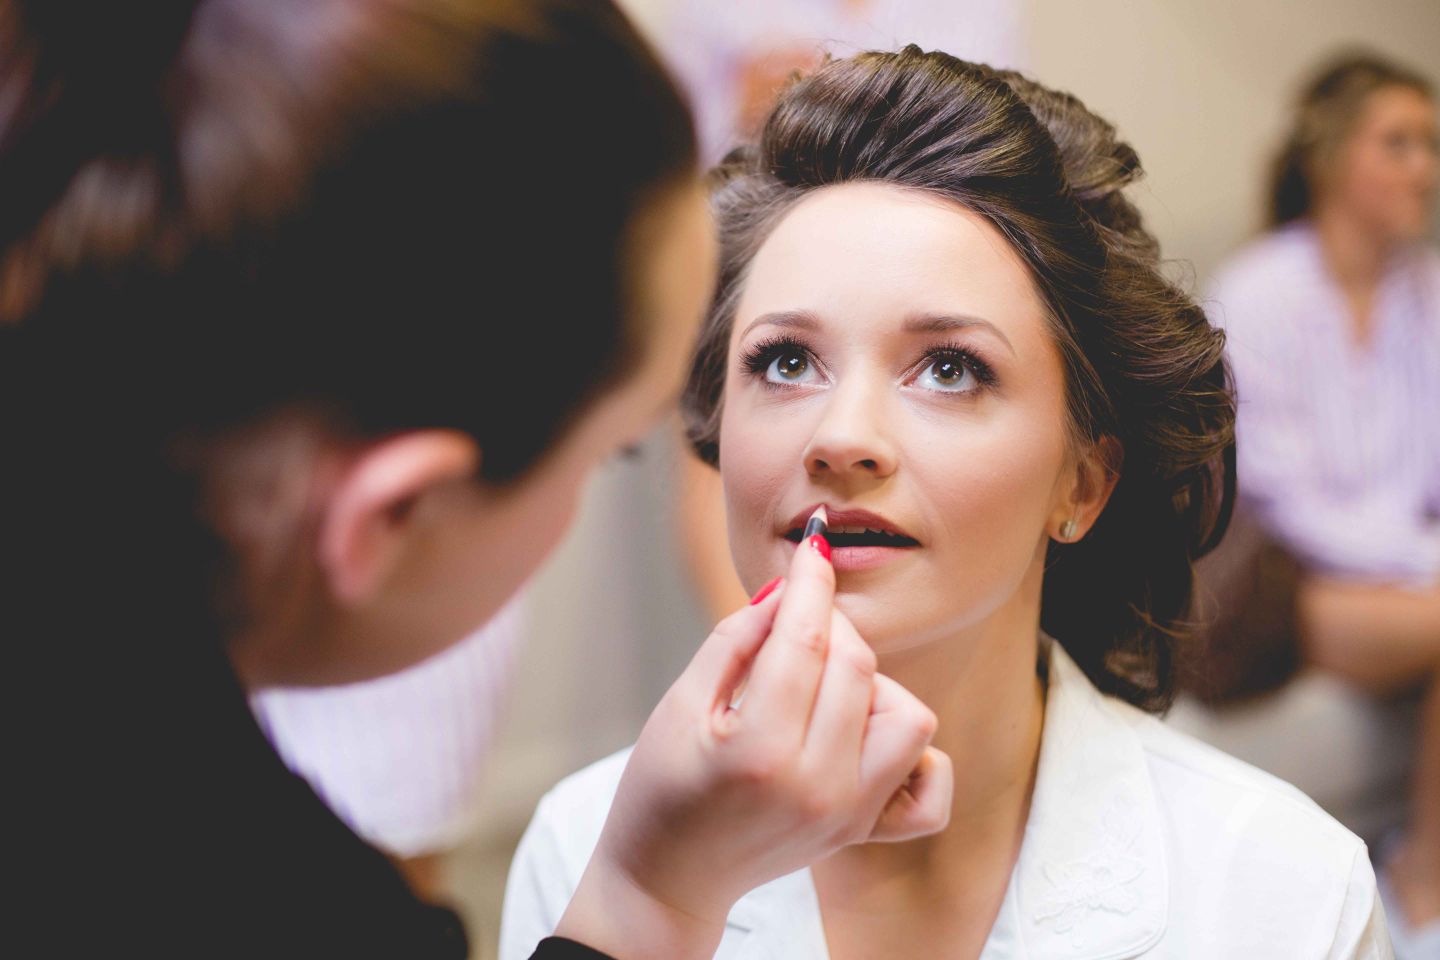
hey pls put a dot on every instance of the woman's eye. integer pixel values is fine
(948, 375)
(789, 367)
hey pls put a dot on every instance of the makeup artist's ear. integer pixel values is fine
(1087, 490)
(370, 513)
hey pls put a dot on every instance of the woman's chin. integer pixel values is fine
(882, 621)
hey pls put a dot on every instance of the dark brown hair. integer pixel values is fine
(372, 212)
(218, 215)
(368, 203)
(1325, 115)
(1142, 363)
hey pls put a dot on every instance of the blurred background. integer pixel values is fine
(1203, 89)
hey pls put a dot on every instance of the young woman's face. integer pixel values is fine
(1385, 171)
(890, 359)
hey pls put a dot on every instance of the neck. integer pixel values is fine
(983, 687)
(1355, 253)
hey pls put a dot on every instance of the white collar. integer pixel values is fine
(1091, 880)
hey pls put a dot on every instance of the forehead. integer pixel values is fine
(1398, 105)
(875, 254)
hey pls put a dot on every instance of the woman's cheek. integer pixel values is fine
(994, 508)
(756, 468)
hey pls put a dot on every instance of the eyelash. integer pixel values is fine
(763, 353)
(758, 358)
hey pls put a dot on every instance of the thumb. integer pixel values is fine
(921, 806)
(909, 782)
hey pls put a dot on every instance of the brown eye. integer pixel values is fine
(781, 361)
(947, 372)
(789, 366)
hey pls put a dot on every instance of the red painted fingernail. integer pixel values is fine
(821, 545)
(765, 591)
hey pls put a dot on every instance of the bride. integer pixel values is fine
(940, 318)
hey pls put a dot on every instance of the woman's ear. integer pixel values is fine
(367, 519)
(1096, 472)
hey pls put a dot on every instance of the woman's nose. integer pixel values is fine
(851, 438)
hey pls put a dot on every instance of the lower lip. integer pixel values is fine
(847, 559)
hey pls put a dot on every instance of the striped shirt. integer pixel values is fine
(1338, 441)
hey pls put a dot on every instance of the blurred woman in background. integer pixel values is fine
(1334, 335)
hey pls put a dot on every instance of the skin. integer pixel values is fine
(1375, 196)
(1376, 193)
(703, 536)
(983, 478)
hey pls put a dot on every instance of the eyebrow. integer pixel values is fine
(925, 323)
(795, 319)
(941, 323)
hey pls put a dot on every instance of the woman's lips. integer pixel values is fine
(853, 527)
(864, 558)
(859, 539)
(860, 556)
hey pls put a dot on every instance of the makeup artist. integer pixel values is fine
(315, 315)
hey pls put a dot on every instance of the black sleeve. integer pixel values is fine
(203, 843)
(558, 948)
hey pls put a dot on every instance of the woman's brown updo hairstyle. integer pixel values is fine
(1143, 365)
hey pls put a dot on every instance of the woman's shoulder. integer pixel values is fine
(1268, 278)
(1210, 794)
(1202, 848)
(573, 812)
(1242, 844)
(554, 852)
(1287, 251)
(1199, 789)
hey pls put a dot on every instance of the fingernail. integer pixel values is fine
(765, 591)
(821, 546)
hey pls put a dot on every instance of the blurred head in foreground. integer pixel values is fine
(316, 314)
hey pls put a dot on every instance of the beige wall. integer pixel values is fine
(1201, 88)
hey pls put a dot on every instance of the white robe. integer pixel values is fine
(1141, 842)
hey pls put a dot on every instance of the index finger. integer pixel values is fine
(786, 676)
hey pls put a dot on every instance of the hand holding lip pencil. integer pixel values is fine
(824, 752)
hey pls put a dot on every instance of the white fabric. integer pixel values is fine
(1141, 842)
(1338, 447)
(1348, 751)
(400, 758)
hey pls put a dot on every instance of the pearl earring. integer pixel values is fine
(1067, 530)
